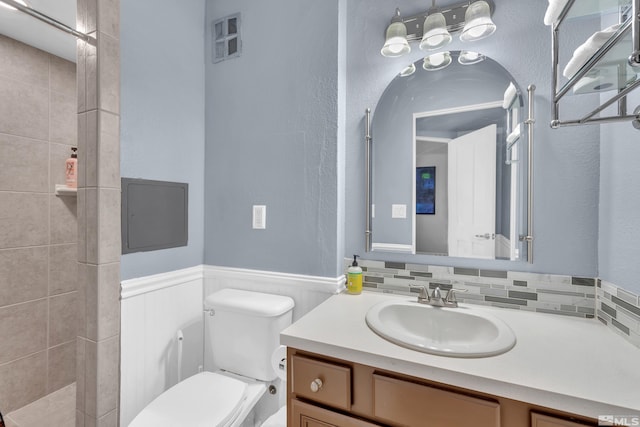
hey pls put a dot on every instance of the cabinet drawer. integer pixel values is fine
(322, 382)
(305, 415)
(415, 405)
(540, 420)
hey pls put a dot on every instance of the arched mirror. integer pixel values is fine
(449, 162)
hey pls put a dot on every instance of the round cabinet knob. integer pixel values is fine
(316, 385)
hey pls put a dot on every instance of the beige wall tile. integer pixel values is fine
(63, 268)
(23, 329)
(24, 63)
(90, 378)
(24, 110)
(91, 224)
(102, 376)
(108, 375)
(80, 374)
(91, 149)
(103, 301)
(82, 224)
(61, 369)
(80, 419)
(103, 225)
(64, 119)
(63, 318)
(109, 17)
(82, 150)
(109, 150)
(64, 226)
(25, 219)
(110, 247)
(109, 420)
(26, 164)
(62, 74)
(23, 274)
(109, 73)
(24, 381)
(91, 75)
(56, 409)
(81, 80)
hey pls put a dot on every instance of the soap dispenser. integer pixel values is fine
(354, 277)
(71, 172)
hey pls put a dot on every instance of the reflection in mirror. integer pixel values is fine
(448, 163)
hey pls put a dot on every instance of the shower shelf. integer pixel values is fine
(63, 190)
(616, 64)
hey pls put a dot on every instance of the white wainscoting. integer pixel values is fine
(154, 308)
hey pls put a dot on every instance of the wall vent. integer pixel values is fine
(226, 38)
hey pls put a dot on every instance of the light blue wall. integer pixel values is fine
(619, 246)
(566, 160)
(272, 139)
(162, 103)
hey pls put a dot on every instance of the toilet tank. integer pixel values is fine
(244, 330)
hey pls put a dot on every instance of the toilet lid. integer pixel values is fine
(206, 399)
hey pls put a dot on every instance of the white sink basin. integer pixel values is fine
(454, 332)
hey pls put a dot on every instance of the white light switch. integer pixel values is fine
(398, 211)
(259, 217)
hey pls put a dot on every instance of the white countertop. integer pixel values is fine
(565, 363)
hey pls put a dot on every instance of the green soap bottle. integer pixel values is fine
(354, 277)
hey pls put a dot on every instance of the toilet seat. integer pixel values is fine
(207, 399)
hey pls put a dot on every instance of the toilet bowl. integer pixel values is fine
(279, 365)
(244, 329)
(279, 419)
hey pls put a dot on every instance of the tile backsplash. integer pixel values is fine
(620, 310)
(544, 293)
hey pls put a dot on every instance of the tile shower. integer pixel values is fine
(38, 231)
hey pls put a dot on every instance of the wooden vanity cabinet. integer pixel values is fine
(327, 392)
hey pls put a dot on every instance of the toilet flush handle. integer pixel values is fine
(316, 385)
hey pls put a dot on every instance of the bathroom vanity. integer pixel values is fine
(562, 372)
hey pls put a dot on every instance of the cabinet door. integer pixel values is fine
(540, 420)
(306, 415)
(404, 403)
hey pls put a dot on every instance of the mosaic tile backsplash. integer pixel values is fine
(620, 310)
(584, 297)
(544, 293)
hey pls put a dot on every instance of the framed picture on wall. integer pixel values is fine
(426, 190)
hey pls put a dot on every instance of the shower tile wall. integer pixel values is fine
(38, 230)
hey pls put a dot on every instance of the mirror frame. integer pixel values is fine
(519, 223)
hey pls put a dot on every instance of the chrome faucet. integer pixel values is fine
(436, 299)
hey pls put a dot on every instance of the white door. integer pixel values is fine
(472, 194)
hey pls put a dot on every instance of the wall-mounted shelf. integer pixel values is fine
(615, 66)
(63, 190)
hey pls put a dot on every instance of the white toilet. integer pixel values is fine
(244, 328)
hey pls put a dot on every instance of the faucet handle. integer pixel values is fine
(436, 294)
(423, 296)
(451, 296)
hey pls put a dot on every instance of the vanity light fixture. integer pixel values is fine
(435, 31)
(396, 43)
(478, 23)
(468, 57)
(433, 28)
(437, 61)
(22, 2)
